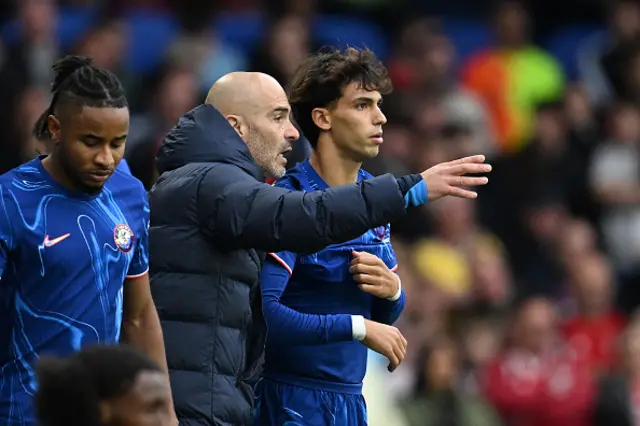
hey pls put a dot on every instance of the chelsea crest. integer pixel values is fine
(123, 237)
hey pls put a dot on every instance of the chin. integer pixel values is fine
(92, 188)
(277, 173)
(369, 153)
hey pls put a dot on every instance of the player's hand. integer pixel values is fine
(373, 276)
(386, 340)
(449, 178)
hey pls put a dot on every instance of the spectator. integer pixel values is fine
(595, 329)
(513, 77)
(615, 181)
(284, 49)
(437, 401)
(176, 93)
(201, 51)
(425, 68)
(602, 57)
(538, 380)
(27, 64)
(618, 401)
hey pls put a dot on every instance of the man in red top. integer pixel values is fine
(595, 330)
(538, 380)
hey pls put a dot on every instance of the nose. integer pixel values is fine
(291, 133)
(379, 119)
(104, 157)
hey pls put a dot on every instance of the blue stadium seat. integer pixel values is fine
(75, 22)
(565, 43)
(241, 30)
(342, 31)
(150, 34)
(467, 36)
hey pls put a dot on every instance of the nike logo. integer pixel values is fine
(50, 243)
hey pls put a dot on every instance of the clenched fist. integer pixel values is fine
(373, 276)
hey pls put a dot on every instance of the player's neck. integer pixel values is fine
(334, 166)
(57, 173)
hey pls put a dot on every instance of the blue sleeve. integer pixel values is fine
(140, 263)
(385, 311)
(417, 195)
(285, 324)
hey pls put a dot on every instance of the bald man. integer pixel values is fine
(213, 219)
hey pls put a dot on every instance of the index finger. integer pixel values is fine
(367, 258)
(471, 159)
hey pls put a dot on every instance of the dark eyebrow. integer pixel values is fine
(91, 136)
(94, 137)
(366, 100)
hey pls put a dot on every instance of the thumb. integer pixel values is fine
(356, 253)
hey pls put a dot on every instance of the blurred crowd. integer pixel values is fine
(520, 305)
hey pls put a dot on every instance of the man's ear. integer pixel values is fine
(55, 129)
(237, 124)
(322, 118)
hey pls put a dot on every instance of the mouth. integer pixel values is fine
(281, 156)
(100, 176)
(377, 138)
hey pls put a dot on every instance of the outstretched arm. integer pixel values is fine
(237, 211)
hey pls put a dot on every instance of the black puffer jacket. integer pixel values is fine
(211, 222)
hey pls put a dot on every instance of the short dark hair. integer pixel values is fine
(77, 82)
(70, 389)
(39, 128)
(321, 79)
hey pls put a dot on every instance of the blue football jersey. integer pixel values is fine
(64, 258)
(320, 284)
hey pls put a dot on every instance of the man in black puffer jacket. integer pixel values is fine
(212, 219)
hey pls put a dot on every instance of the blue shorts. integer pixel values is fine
(279, 404)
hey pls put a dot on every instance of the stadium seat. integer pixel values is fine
(342, 31)
(241, 30)
(565, 43)
(75, 22)
(467, 36)
(150, 34)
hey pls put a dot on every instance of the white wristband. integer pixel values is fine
(358, 329)
(398, 293)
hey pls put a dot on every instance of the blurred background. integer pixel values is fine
(520, 304)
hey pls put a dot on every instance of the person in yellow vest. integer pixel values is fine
(513, 77)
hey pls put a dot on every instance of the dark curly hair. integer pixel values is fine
(321, 79)
(70, 389)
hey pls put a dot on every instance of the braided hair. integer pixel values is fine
(78, 83)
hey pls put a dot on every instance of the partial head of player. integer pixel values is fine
(335, 98)
(87, 123)
(102, 386)
(256, 106)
